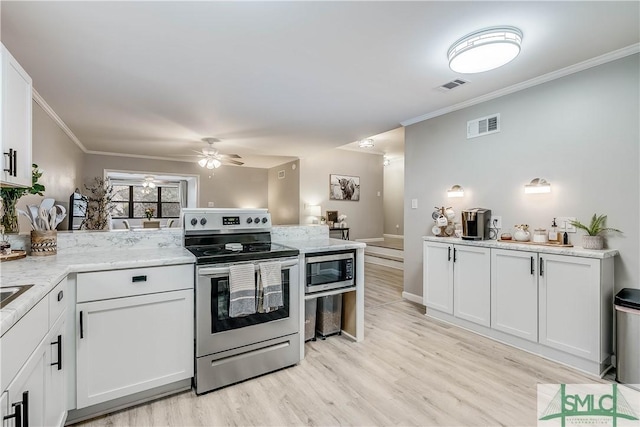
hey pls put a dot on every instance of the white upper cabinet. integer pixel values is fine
(15, 122)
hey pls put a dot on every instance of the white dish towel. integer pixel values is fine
(242, 290)
(269, 287)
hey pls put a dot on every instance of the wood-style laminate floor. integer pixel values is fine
(409, 370)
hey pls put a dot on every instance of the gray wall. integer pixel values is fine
(579, 132)
(364, 217)
(60, 160)
(284, 194)
(394, 197)
(226, 187)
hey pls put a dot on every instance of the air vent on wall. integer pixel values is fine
(483, 126)
(452, 85)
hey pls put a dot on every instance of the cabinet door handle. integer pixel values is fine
(81, 326)
(60, 295)
(454, 254)
(541, 266)
(532, 267)
(17, 414)
(15, 173)
(10, 155)
(449, 254)
(58, 342)
(135, 279)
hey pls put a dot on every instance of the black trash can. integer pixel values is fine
(627, 307)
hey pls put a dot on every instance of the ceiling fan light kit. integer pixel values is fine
(212, 159)
(485, 50)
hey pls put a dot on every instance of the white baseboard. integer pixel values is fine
(373, 239)
(412, 297)
(398, 265)
(394, 236)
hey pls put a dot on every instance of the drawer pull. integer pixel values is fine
(60, 295)
(81, 326)
(135, 279)
(58, 343)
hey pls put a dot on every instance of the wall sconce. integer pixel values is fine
(455, 191)
(537, 185)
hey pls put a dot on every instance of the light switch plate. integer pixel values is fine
(414, 203)
(564, 224)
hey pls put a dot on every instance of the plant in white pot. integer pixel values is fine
(594, 239)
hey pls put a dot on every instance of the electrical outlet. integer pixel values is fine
(496, 222)
(564, 224)
(210, 204)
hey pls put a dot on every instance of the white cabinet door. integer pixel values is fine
(514, 293)
(438, 276)
(15, 123)
(56, 384)
(128, 345)
(472, 284)
(27, 390)
(570, 304)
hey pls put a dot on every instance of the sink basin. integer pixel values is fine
(10, 293)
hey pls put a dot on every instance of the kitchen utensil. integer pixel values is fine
(61, 212)
(33, 211)
(44, 218)
(52, 218)
(26, 214)
(47, 203)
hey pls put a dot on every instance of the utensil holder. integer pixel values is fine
(44, 242)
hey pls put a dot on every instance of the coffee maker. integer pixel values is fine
(475, 224)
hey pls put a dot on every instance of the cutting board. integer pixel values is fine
(13, 255)
(556, 245)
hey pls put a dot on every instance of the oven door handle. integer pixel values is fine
(210, 271)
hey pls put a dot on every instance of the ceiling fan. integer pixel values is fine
(212, 158)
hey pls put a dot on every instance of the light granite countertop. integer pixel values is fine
(572, 251)
(45, 272)
(323, 244)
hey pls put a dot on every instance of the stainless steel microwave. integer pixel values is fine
(329, 270)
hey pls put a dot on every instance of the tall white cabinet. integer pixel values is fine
(555, 302)
(15, 122)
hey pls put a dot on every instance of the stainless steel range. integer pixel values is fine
(232, 348)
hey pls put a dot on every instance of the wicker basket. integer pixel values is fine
(44, 242)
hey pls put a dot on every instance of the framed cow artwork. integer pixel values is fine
(344, 187)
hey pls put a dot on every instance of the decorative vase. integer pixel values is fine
(10, 217)
(592, 242)
(522, 235)
(44, 242)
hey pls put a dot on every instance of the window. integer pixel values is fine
(130, 201)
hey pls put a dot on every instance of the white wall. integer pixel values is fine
(284, 194)
(394, 197)
(364, 217)
(580, 132)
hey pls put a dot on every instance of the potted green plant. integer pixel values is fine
(10, 196)
(594, 239)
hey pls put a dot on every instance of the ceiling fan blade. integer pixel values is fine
(233, 162)
(230, 156)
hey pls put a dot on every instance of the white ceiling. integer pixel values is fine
(279, 80)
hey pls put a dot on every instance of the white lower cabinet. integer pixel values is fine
(570, 301)
(559, 306)
(36, 395)
(514, 293)
(133, 344)
(457, 280)
(472, 284)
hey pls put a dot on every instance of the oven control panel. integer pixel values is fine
(226, 220)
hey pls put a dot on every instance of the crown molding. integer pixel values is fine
(138, 156)
(572, 69)
(47, 109)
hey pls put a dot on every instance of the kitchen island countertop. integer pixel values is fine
(322, 245)
(45, 272)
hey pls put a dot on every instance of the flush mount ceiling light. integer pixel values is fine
(366, 143)
(455, 191)
(386, 161)
(538, 185)
(485, 50)
(149, 182)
